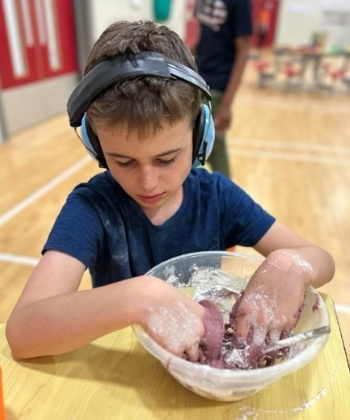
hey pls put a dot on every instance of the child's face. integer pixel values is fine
(151, 170)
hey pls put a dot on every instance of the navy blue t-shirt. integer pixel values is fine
(108, 232)
(221, 21)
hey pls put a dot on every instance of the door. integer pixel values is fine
(37, 40)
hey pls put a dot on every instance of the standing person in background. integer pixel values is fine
(221, 54)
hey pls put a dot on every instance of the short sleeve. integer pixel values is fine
(242, 18)
(77, 230)
(245, 222)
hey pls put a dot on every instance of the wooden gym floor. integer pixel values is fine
(289, 149)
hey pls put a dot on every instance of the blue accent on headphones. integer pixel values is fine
(85, 139)
(206, 142)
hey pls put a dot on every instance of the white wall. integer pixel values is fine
(3, 130)
(105, 12)
(298, 19)
(35, 102)
(177, 18)
(1, 133)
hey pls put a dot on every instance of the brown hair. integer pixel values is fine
(142, 103)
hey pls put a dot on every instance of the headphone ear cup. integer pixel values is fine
(203, 136)
(91, 142)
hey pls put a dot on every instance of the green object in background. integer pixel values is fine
(162, 9)
(336, 49)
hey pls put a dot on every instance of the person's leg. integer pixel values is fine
(218, 158)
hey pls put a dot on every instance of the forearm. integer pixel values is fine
(236, 75)
(193, 48)
(65, 322)
(311, 264)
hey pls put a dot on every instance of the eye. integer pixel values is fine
(162, 162)
(124, 164)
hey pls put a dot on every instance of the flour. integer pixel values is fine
(224, 289)
(237, 357)
(300, 262)
(248, 413)
(208, 283)
(173, 326)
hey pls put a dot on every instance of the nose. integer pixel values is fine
(148, 177)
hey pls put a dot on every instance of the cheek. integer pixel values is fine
(119, 175)
(185, 166)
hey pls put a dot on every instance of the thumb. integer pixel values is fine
(242, 328)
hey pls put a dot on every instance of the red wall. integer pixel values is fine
(270, 37)
(36, 56)
(191, 25)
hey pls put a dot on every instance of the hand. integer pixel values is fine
(173, 320)
(272, 299)
(222, 119)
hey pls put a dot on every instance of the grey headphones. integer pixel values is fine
(128, 66)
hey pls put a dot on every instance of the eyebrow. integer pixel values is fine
(119, 155)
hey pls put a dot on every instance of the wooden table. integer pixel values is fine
(115, 378)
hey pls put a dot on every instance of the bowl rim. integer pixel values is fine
(199, 253)
(175, 362)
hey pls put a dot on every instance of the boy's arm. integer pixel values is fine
(224, 114)
(275, 293)
(53, 317)
(280, 239)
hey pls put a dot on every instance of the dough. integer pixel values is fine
(220, 348)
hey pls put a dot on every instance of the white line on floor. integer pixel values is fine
(292, 105)
(43, 190)
(342, 309)
(18, 259)
(296, 157)
(283, 144)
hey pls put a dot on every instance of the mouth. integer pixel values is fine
(150, 198)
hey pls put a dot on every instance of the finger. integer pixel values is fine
(242, 328)
(193, 353)
(175, 349)
(273, 335)
(259, 334)
(287, 332)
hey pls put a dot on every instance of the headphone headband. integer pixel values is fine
(124, 67)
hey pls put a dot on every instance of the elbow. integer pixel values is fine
(331, 267)
(316, 269)
(324, 270)
(16, 341)
(13, 339)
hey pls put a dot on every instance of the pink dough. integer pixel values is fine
(221, 348)
(211, 342)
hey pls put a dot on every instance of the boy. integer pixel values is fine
(142, 115)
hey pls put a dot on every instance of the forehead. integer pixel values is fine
(143, 131)
(121, 139)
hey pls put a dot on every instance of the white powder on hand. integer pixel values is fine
(174, 327)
